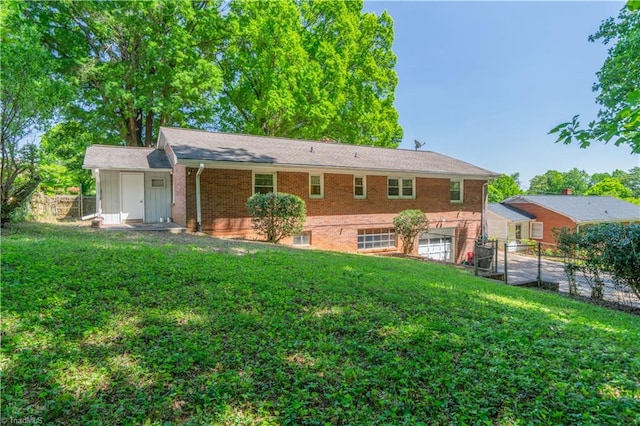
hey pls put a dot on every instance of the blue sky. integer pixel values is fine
(484, 82)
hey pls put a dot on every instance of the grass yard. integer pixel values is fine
(107, 327)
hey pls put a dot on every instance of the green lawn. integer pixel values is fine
(107, 327)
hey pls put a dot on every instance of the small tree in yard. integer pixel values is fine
(277, 215)
(408, 224)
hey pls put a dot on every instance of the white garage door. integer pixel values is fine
(436, 247)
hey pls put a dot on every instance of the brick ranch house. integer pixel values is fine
(540, 215)
(202, 180)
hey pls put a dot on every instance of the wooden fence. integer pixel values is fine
(61, 207)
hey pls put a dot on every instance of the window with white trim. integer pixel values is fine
(455, 191)
(536, 230)
(376, 238)
(302, 239)
(400, 187)
(157, 182)
(359, 187)
(263, 183)
(316, 187)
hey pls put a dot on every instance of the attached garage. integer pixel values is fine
(438, 244)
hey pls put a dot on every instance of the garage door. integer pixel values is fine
(436, 247)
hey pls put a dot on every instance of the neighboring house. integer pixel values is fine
(352, 192)
(571, 211)
(508, 224)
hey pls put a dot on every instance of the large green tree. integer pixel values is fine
(62, 154)
(136, 65)
(552, 182)
(618, 86)
(504, 187)
(610, 186)
(29, 96)
(309, 69)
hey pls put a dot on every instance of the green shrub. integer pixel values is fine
(606, 248)
(277, 215)
(408, 224)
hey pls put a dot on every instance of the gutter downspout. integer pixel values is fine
(198, 203)
(483, 215)
(96, 174)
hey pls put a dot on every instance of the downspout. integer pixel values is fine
(198, 204)
(483, 214)
(96, 174)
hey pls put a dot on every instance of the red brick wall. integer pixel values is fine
(551, 220)
(179, 206)
(335, 219)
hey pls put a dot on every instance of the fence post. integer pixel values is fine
(506, 281)
(539, 266)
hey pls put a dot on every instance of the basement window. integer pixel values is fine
(376, 238)
(302, 239)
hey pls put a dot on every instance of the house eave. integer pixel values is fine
(246, 165)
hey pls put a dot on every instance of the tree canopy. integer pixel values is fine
(504, 187)
(618, 86)
(114, 72)
(29, 96)
(619, 184)
(309, 70)
(135, 65)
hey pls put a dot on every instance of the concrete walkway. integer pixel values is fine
(524, 269)
(155, 226)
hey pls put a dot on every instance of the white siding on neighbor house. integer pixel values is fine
(503, 230)
(110, 196)
(157, 200)
(497, 227)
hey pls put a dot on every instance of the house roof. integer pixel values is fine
(510, 213)
(195, 145)
(125, 158)
(583, 208)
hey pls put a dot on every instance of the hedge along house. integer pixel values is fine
(352, 192)
(132, 184)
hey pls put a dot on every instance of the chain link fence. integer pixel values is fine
(529, 266)
(61, 207)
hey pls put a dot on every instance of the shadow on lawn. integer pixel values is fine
(211, 340)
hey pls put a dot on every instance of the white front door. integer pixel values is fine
(132, 190)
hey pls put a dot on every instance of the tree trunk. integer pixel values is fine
(148, 128)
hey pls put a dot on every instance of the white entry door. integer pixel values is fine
(132, 190)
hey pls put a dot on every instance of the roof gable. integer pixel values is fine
(195, 145)
(583, 208)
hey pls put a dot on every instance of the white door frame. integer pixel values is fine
(140, 193)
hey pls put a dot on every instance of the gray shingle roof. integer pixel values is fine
(199, 145)
(125, 158)
(583, 208)
(509, 212)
